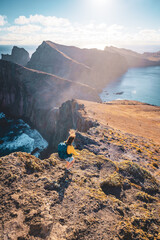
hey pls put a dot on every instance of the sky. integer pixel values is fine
(133, 24)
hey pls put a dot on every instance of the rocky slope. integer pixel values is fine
(18, 55)
(91, 66)
(34, 96)
(112, 192)
(129, 117)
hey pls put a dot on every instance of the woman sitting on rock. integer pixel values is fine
(66, 149)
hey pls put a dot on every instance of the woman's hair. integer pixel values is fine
(71, 137)
(70, 140)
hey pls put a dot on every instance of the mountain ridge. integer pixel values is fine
(96, 68)
(51, 60)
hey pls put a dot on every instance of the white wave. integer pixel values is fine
(39, 141)
(20, 143)
(20, 137)
(2, 115)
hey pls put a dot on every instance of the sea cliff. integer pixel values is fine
(90, 66)
(93, 67)
(35, 96)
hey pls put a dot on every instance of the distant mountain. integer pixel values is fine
(91, 66)
(155, 56)
(135, 59)
(18, 55)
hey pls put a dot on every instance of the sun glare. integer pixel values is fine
(100, 2)
(99, 7)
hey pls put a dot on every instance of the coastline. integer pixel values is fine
(139, 84)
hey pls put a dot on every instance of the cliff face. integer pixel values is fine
(69, 115)
(51, 60)
(34, 96)
(18, 55)
(91, 66)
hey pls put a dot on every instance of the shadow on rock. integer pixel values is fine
(64, 183)
(60, 185)
(116, 191)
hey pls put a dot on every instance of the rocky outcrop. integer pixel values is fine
(18, 55)
(135, 59)
(35, 96)
(91, 66)
(69, 115)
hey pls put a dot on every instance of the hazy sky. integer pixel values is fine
(83, 23)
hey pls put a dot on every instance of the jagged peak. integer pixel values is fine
(54, 46)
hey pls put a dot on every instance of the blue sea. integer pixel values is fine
(16, 135)
(140, 84)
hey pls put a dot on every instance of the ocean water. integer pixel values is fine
(16, 135)
(140, 84)
(7, 49)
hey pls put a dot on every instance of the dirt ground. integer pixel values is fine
(131, 117)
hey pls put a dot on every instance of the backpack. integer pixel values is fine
(62, 151)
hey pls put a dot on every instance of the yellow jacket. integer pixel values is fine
(71, 150)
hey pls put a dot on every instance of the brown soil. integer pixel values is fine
(127, 116)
